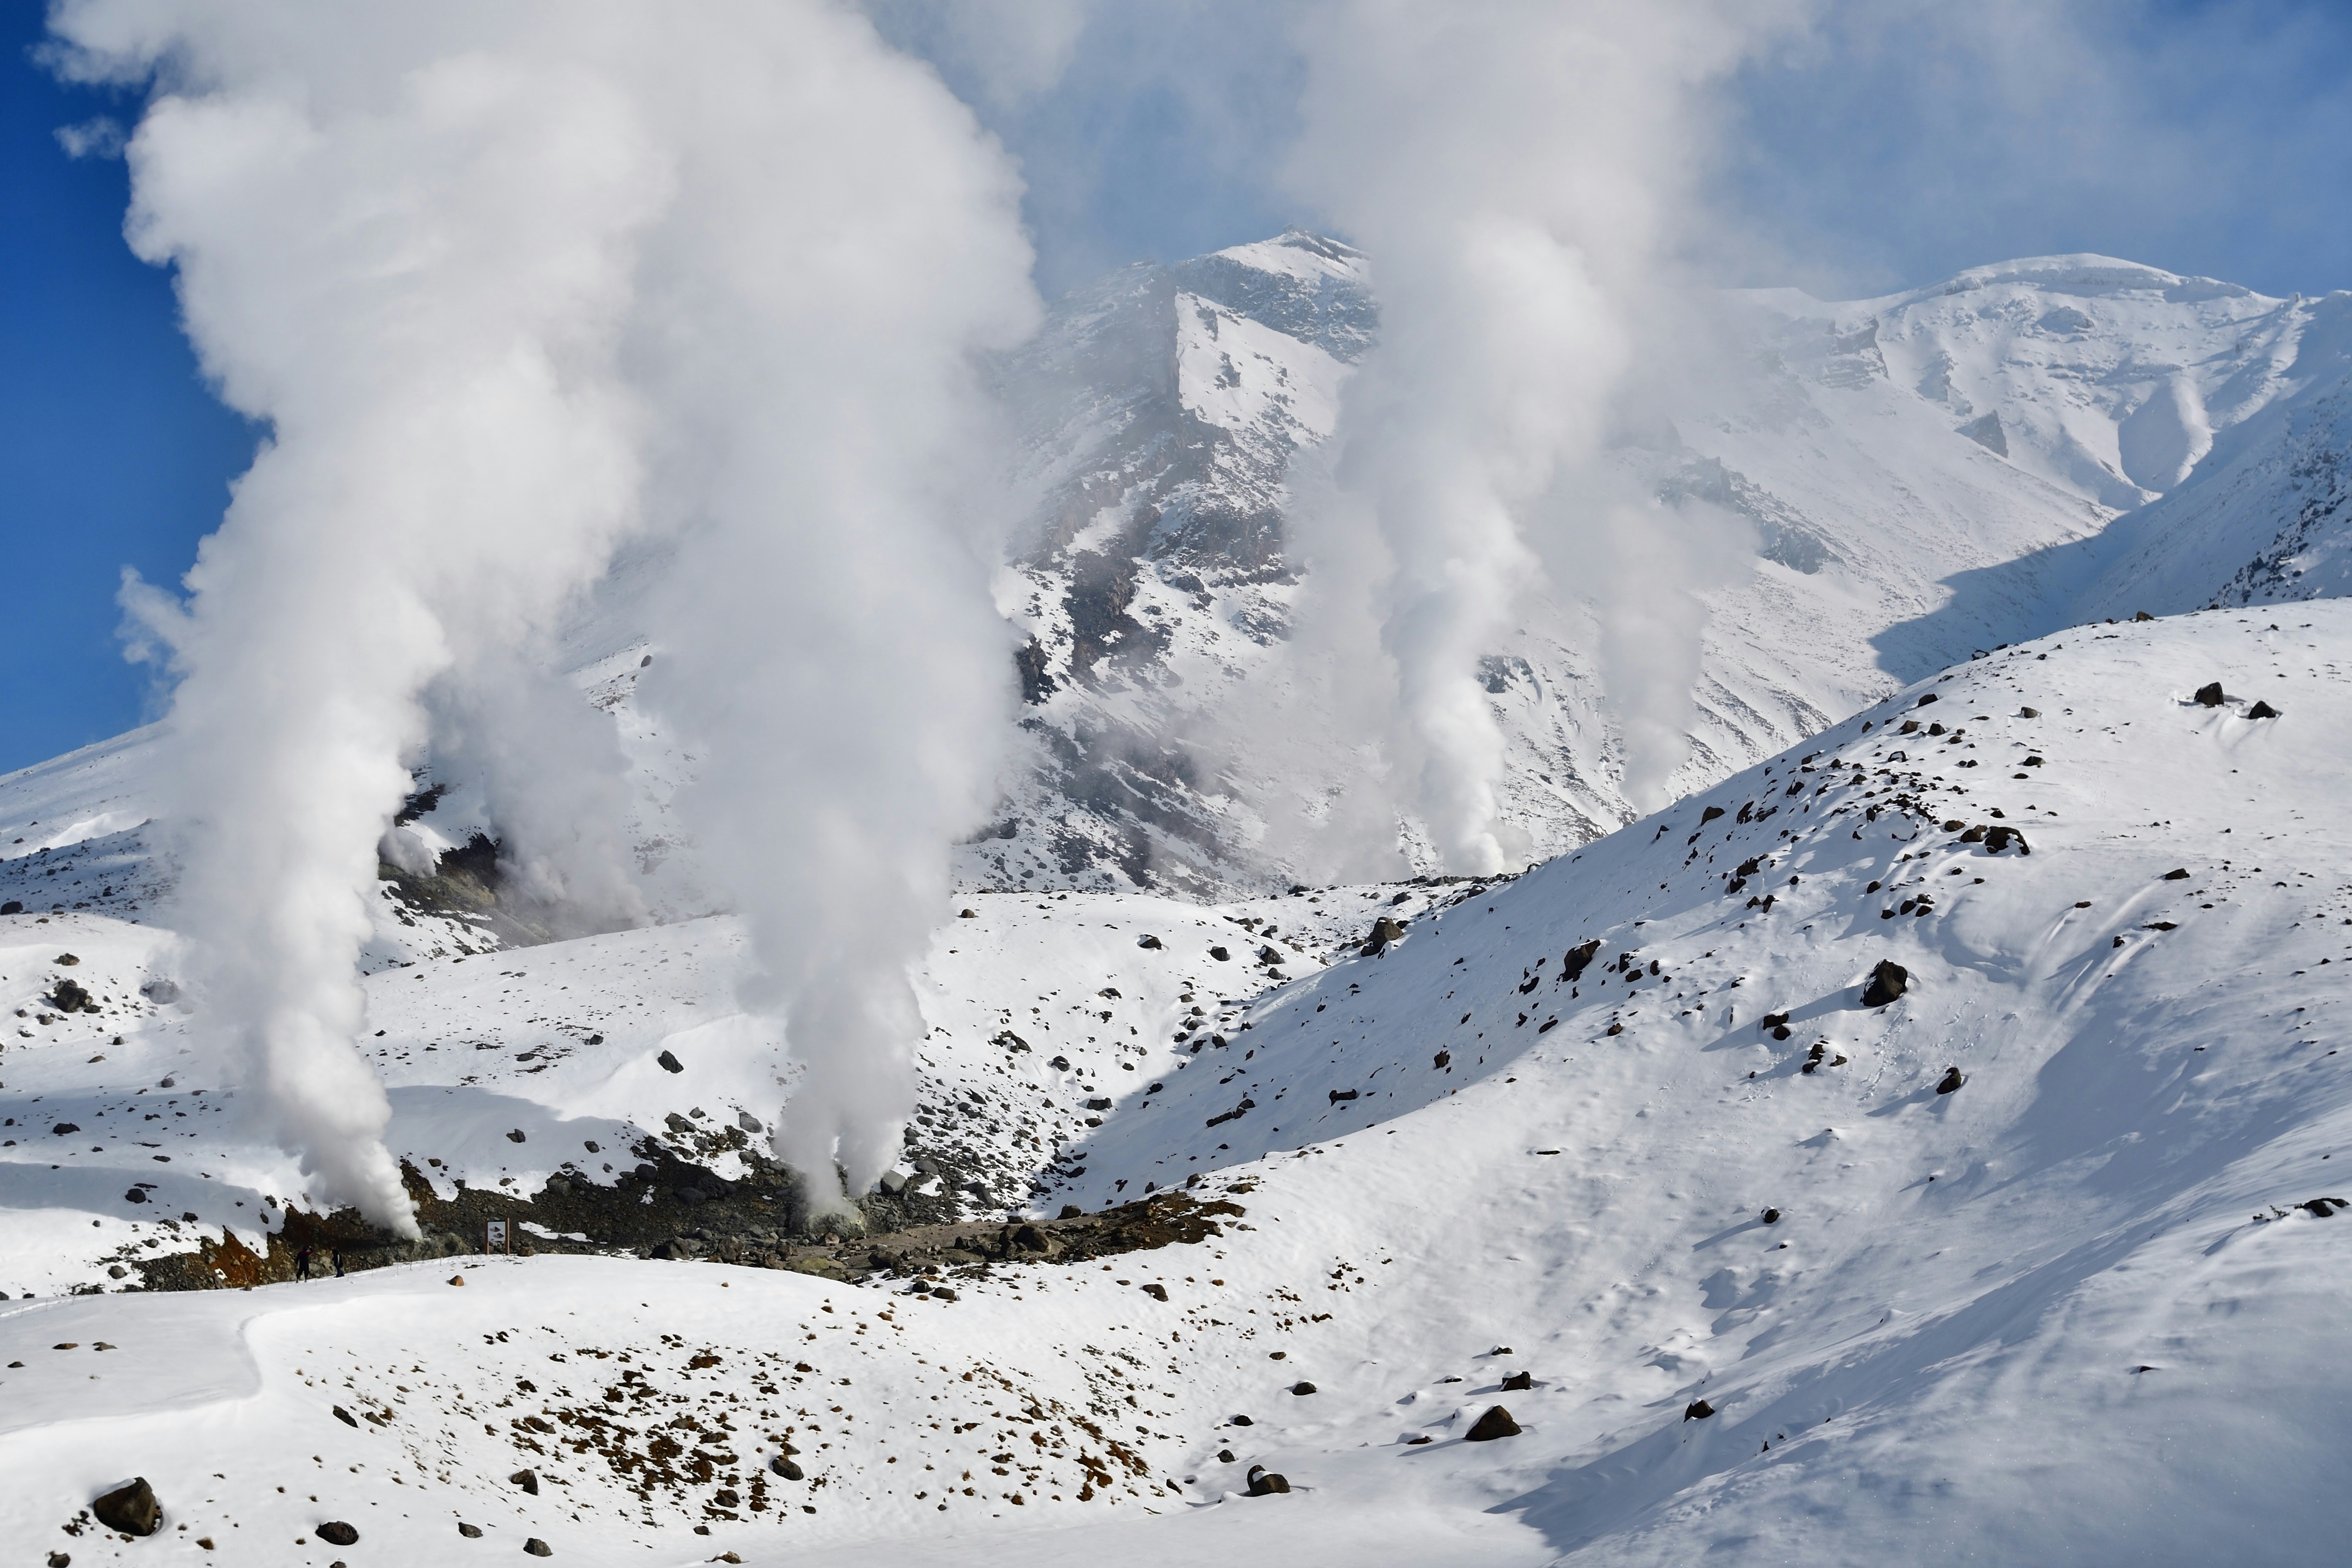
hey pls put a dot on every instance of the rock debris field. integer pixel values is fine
(1920, 1143)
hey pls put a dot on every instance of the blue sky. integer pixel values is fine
(1898, 143)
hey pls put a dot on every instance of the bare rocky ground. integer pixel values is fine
(672, 1209)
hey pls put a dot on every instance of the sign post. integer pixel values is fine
(495, 1237)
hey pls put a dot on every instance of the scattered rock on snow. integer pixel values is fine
(1302, 1387)
(527, 1480)
(470, 1531)
(2262, 710)
(1264, 1482)
(1495, 1423)
(2209, 695)
(1952, 1080)
(1697, 1410)
(335, 1532)
(1518, 1379)
(670, 1063)
(1887, 982)
(535, 1547)
(132, 1508)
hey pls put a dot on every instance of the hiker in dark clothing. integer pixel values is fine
(338, 1259)
(302, 1264)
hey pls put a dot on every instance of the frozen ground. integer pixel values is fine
(2084, 1309)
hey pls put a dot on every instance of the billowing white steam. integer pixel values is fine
(1514, 172)
(828, 643)
(506, 282)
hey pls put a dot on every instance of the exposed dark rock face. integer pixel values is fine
(132, 1509)
(1887, 982)
(1264, 1482)
(1495, 1423)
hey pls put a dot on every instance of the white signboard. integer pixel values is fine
(496, 1238)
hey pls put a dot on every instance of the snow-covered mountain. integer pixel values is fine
(1918, 1142)
(1928, 475)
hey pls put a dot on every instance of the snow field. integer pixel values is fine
(2068, 1312)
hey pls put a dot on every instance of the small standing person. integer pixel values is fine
(302, 1264)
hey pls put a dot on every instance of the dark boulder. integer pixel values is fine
(1264, 1482)
(132, 1510)
(2262, 710)
(470, 1531)
(1220, 954)
(2209, 695)
(535, 1547)
(1518, 1379)
(670, 1063)
(335, 1532)
(1887, 982)
(1302, 1387)
(1697, 1410)
(527, 1480)
(1495, 1423)
(68, 996)
(1952, 1080)
(1572, 964)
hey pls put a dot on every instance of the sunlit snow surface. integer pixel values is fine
(2069, 1313)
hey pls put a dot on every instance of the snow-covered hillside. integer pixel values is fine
(1620, 1145)
(1928, 474)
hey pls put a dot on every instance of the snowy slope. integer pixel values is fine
(2069, 1312)
(1928, 474)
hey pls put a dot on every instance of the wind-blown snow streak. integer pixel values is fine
(489, 275)
(1521, 175)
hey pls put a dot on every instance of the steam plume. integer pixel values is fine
(506, 282)
(829, 643)
(1518, 174)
